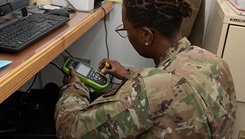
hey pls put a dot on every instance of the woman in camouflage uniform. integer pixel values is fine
(188, 94)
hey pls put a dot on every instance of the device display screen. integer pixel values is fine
(83, 69)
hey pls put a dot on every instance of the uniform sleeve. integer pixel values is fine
(123, 114)
(74, 97)
(133, 73)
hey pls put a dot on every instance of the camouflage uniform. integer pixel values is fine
(190, 94)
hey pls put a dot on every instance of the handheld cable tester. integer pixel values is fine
(86, 74)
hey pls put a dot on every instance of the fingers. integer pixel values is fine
(107, 66)
(107, 71)
(72, 72)
(102, 64)
(114, 68)
(66, 79)
(71, 78)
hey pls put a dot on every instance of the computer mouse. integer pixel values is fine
(59, 12)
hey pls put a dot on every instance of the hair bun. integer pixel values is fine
(186, 9)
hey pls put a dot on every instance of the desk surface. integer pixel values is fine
(31, 60)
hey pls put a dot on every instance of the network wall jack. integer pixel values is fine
(87, 61)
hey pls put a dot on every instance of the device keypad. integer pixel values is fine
(94, 76)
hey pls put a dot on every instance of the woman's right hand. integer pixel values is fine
(116, 69)
(71, 78)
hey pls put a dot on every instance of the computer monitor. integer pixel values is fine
(7, 6)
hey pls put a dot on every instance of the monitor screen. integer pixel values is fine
(7, 6)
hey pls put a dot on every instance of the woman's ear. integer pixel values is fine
(147, 36)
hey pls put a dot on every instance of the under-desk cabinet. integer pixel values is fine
(225, 37)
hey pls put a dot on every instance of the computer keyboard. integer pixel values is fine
(20, 34)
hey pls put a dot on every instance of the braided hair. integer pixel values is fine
(165, 16)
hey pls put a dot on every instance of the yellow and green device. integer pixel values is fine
(86, 74)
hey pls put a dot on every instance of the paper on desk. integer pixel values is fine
(116, 0)
(4, 63)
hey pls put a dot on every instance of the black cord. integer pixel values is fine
(27, 91)
(106, 34)
(106, 42)
(68, 53)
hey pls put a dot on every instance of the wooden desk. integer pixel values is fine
(30, 61)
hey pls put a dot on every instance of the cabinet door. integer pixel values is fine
(234, 54)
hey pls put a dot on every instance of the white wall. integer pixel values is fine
(120, 48)
(92, 46)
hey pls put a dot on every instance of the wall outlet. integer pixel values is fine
(87, 61)
(241, 134)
